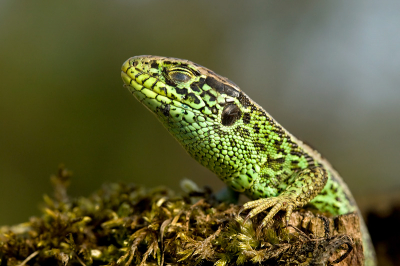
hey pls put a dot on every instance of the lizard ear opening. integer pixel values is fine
(230, 114)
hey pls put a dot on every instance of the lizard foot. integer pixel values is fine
(282, 202)
(306, 185)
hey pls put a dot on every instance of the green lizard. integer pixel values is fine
(227, 132)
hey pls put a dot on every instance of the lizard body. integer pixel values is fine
(227, 132)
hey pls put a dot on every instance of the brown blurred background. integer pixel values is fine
(327, 71)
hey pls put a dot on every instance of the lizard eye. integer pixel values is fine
(230, 114)
(180, 75)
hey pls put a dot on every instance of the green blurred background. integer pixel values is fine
(328, 71)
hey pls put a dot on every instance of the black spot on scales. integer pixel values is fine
(245, 101)
(296, 153)
(246, 118)
(193, 97)
(194, 87)
(154, 65)
(164, 89)
(154, 84)
(231, 91)
(201, 82)
(280, 160)
(278, 143)
(260, 146)
(181, 91)
(323, 193)
(215, 84)
(165, 110)
(168, 81)
(212, 97)
(184, 65)
(221, 87)
(245, 132)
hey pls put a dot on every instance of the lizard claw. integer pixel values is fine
(247, 218)
(281, 202)
(240, 210)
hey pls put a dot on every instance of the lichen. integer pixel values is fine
(126, 224)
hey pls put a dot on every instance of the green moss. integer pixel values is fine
(125, 224)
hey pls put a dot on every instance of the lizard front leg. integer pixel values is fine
(307, 184)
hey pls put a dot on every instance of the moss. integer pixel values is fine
(125, 224)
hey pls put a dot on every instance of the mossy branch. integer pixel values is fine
(124, 224)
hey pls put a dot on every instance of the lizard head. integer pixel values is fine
(207, 113)
(163, 83)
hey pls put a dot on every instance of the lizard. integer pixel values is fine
(234, 137)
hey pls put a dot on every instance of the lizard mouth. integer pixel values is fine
(147, 89)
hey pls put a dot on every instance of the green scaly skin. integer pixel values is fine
(227, 132)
